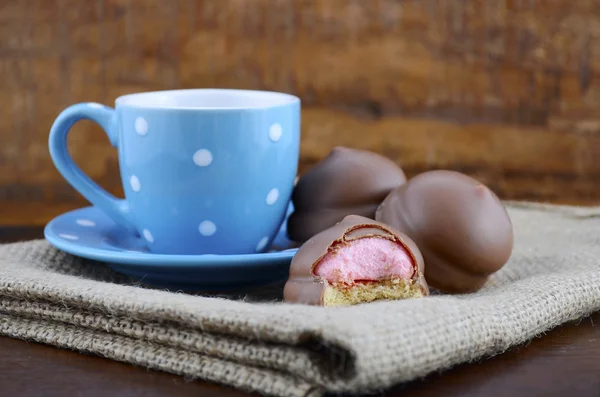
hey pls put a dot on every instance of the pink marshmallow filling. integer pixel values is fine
(366, 259)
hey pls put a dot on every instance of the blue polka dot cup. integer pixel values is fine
(204, 171)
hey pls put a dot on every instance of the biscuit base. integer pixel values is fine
(369, 291)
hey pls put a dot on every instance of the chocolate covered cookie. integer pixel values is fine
(355, 261)
(461, 227)
(348, 181)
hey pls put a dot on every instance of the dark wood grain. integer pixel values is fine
(506, 91)
(565, 361)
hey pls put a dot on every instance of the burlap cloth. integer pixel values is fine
(258, 344)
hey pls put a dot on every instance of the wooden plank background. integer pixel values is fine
(506, 91)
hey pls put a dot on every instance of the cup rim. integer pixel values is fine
(141, 99)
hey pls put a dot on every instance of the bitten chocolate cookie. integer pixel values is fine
(355, 261)
(348, 181)
(461, 227)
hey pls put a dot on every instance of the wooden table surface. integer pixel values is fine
(566, 361)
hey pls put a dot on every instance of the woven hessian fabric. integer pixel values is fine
(252, 341)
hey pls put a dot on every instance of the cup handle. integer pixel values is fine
(116, 209)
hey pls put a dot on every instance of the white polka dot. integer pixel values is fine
(148, 235)
(85, 222)
(68, 236)
(207, 228)
(262, 244)
(95, 105)
(135, 184)
(272, 196)
(141, 126)
(202, 158)
(275, 132)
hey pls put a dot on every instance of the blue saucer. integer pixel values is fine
(90, 234)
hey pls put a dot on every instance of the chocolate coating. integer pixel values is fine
(303, 286)
(347, 181)
(461, 227)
